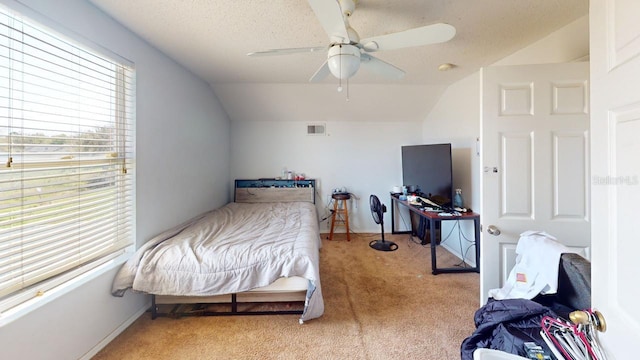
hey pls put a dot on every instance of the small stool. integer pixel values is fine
(340, 207)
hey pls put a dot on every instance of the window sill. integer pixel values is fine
(30, 305)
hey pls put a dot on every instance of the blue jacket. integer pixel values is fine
(506, 325)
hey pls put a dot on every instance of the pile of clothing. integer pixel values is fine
(513, 313)
(507, 325)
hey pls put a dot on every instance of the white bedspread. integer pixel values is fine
(228, 250)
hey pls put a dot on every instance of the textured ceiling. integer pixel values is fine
(212, 37)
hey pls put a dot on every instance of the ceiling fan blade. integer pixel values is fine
(287, 51)
(321, 73)
(331, 18)
(425, 35)
(381, 67)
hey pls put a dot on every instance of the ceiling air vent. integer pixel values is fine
(316, 129)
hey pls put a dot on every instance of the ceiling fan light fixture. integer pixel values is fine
(346, 50)
(344, 61)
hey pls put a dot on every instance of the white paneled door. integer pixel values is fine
(615, 167)
(535, 146)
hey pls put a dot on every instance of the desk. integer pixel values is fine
(432, 218)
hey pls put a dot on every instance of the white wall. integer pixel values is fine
(322, 102)
(456, 116)
(183, 153)
(361, 151)
(362, 156)
(570, 43)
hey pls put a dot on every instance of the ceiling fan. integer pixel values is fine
(346, 51)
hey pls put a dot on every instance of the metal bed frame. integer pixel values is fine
(201, 309)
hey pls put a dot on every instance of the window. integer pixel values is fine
(67, 147)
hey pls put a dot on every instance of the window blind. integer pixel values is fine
(67, 141)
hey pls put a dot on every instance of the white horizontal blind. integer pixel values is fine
(67, 146)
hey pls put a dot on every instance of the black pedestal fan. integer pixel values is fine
(378, 210)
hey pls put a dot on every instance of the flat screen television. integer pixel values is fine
(428, 169)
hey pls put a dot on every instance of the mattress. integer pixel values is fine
(236, 248)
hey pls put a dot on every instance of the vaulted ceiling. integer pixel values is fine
(212, 37)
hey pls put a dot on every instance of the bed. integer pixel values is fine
(261, 248)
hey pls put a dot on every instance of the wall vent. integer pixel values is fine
(316, 129)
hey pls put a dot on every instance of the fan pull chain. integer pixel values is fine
(347, 89)
(340, 77)
(340, 71)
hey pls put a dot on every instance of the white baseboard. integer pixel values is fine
(91, 353)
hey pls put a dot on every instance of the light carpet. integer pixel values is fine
(378, 305)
